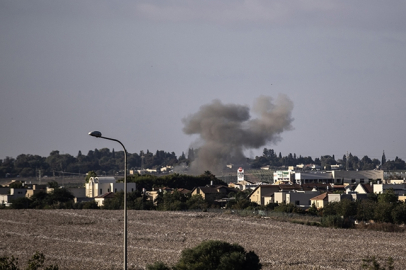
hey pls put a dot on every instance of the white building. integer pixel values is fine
(339, 177)
(284, 176)
(100, 185)
(240, 174)
(15, 193)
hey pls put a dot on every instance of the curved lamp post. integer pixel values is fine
(98, 134)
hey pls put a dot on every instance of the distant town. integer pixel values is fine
(343, 192)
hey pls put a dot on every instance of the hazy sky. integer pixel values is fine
(134, 69)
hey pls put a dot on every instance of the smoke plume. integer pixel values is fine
(226, 130)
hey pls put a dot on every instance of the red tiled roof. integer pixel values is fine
(106, 195)
(368, 188)
(322, 196)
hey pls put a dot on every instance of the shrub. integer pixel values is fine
(371, 263)
(36, 262)
(158, 266)
(217, 255)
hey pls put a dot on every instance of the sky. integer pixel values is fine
(134, 70)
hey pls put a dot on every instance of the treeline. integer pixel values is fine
(350, 162)
(103, 161)
(106, 162)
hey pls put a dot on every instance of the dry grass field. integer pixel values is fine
(92, 239)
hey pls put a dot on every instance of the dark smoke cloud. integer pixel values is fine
(226, 130)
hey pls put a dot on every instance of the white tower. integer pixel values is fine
(240, 174)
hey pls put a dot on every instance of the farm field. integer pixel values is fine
(92, 239)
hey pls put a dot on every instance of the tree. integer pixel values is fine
(399, 213)
(90, 174)
(214, 254)
(388, 196)
(383, 161)
(53, 184)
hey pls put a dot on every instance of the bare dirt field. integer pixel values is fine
(93, 239)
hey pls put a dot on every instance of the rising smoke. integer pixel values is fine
(226, 130)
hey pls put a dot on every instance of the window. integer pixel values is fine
(101, 191)
(297, 202)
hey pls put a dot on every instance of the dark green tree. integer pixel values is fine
(388, 196)
(218, 255)
(399, 213)
(90, 174)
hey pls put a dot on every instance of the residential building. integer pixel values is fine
(101, 185)
(320, 201)
(399, 189)
(102, 198)
(15, 193)
(263, 194)
(300, 198)
(212, 193)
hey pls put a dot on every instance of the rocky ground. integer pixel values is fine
(93, 239)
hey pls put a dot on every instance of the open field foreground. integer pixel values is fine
(92, 239)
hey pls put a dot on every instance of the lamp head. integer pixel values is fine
(96, 134)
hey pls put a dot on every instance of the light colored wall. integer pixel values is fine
(366, 175)
(94, 189)
(334, 197)
(302, 196)
(256, 196)
(280, 196)
(397, 188)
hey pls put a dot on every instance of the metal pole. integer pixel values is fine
(98, 135)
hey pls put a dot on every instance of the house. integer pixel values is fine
(33, 189)
(15, 193)
(102, 198)
(364, 188)
(320, 201)
(263, 194)
(399, 189)
(212, 193)
(352, 196)
(101, 185)
(300, 198)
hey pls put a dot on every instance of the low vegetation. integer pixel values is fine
(93, 239)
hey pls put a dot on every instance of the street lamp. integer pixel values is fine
(98, 134)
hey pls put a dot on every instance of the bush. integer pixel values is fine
(158, 266)
(335, 221)
(217, 255)
(36, 262)
(371, 263)
(211, 255)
